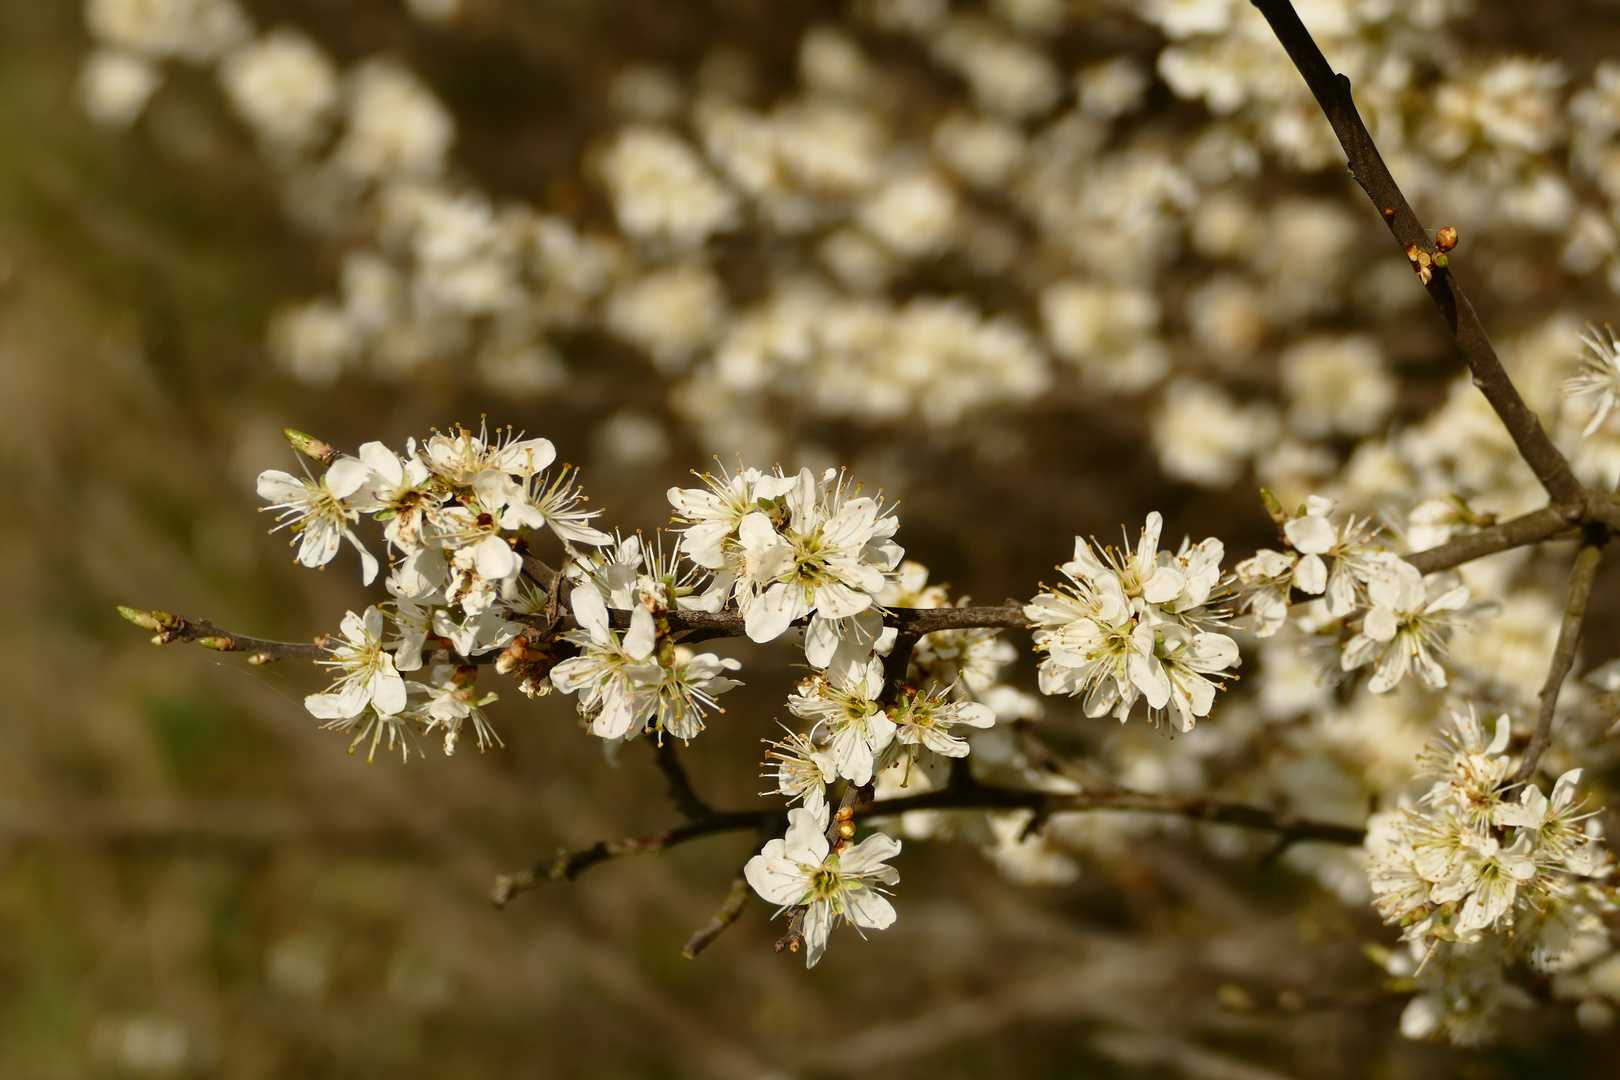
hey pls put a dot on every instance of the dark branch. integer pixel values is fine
(730, 908)
(960, 795)
(1367, 166)
(170, 628)
(567, 865)
(1581, 577)
(1532, 528)
(681, 792)
(690, 626)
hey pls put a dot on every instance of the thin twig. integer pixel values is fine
(692, 626)
(1581, 577)
(169, 628)
(966, 794)
(1367, 166)
(681, 792)
(1532, 528)
(898, 664)
(567, 865)
(730, 908)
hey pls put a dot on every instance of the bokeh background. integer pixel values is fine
(194, 881)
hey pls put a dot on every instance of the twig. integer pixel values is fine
(898, 664)
(965, 794)
(169, 628)
(693, 626)
(1367, 166)
(1532, 528)
(1581, 577)
(567, 865)
(681, 792)
(730, 908)
(792, 940)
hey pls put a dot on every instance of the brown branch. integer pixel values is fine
(965, 794)
(1367, 166)
(1581, 577)
(730, 908)
(169, 628)
(898, 664)
(1532, 528)
(567, 865)
(681, 792)
(690, 626)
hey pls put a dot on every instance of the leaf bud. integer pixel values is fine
(219, 644)
(1273, 506)
(847, 830)
(1441, 260)
(310, 446)
(142, 619)
(1446, 238)
(260, 658)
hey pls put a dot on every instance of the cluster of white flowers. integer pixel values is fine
(792, 548)
(1394, 618)
(1140, 623)
(461, 511)
(1018, 174)
(1472, 867)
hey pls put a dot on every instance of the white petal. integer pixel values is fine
(590, 611)
(773, 611)
(388, 692)
(1310, 575)
(276, 486)
(869, 908)
(806, 838)
(1310, 534)
(642, 637)
(346, 476)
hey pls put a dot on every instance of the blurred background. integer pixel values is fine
(194, 881)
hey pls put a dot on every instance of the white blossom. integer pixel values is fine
(320, 511)
(1599, 375)
(925, 720)
(1404, 628)
(845, 713)
(801, 771)
(833, 886)
(367, 677)
(1134, 624)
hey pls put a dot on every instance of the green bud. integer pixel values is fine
(1442, 260)
(142, 619)
(310, 446)
(219, 644)
(1273, 506)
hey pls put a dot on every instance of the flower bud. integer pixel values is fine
(513, 655)
(847, 830)
(1446, 238)
(310, 446)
